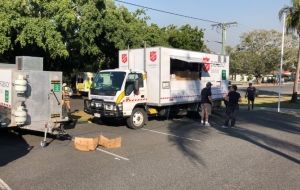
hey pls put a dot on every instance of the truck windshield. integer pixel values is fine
(107, 83)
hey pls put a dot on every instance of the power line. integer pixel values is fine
(223, 27)
(168, 12)
(219, 25)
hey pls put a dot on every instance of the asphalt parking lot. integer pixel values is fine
(262, 152)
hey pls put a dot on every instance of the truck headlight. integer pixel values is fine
(98, 105)
(109, 107)
(120, 106)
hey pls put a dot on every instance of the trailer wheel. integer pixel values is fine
(43, 144)
(137, 119)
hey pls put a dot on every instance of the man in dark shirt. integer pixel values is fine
(206, 104)
(250, 94)
(232, 99)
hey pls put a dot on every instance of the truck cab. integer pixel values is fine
(116, 94)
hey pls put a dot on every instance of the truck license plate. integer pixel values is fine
(97, 115)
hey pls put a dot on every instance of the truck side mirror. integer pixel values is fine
(136, 87)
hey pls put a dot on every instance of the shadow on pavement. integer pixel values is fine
(265, 119)
(71, 124)
(272, 120)
(111, 122)
(12, 147)
(182, 136)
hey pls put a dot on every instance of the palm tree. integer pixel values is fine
(293, 25)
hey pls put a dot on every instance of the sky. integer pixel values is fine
(249, 14)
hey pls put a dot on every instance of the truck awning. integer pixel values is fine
(188, 59)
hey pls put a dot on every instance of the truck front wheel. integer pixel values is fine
(137, 119)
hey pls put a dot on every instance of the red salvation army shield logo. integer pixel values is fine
(124, 58)
(153, 56)
(206, 65)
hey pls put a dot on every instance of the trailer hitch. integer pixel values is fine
(55, 97)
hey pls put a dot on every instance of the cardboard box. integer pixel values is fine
(86, 144)
(110, 143)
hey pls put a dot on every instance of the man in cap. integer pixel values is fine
(206, 104)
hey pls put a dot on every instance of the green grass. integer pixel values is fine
(272, 102)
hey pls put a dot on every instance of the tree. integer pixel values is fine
(82, 35)
(259, 52)
(61, 31)
(293, 25)
(185, 37)
(237, 61)
(30, 27)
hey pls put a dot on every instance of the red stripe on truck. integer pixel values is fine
(178, 97)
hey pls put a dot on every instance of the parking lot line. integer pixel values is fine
(110, 153)
(3, 185)
(167, 134)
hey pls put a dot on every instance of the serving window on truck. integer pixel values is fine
(185, 70)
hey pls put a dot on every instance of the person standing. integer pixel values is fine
(250, 95)
(233, 98)
(206, 104)
(66, 92)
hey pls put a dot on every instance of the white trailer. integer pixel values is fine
(155, 81)
(30, 98)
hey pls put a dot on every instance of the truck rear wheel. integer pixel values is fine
(137, 119)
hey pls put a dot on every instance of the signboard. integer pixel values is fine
(206, 64)
(124, 58)
(6, 96)
(223, 74)
(153, 56)
(5, 88)
(56, 87)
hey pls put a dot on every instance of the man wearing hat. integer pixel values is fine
(206, 104)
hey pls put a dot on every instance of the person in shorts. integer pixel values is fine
(250, 95)
(66, 92)
(206, 104)
(233, 98)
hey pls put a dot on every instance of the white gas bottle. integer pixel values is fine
(20, 85)
(20, 115)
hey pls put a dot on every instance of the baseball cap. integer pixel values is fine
(208, 84)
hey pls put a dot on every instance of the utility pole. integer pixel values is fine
(223, 27)
(281, 62)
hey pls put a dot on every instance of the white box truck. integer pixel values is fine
(156, 81)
